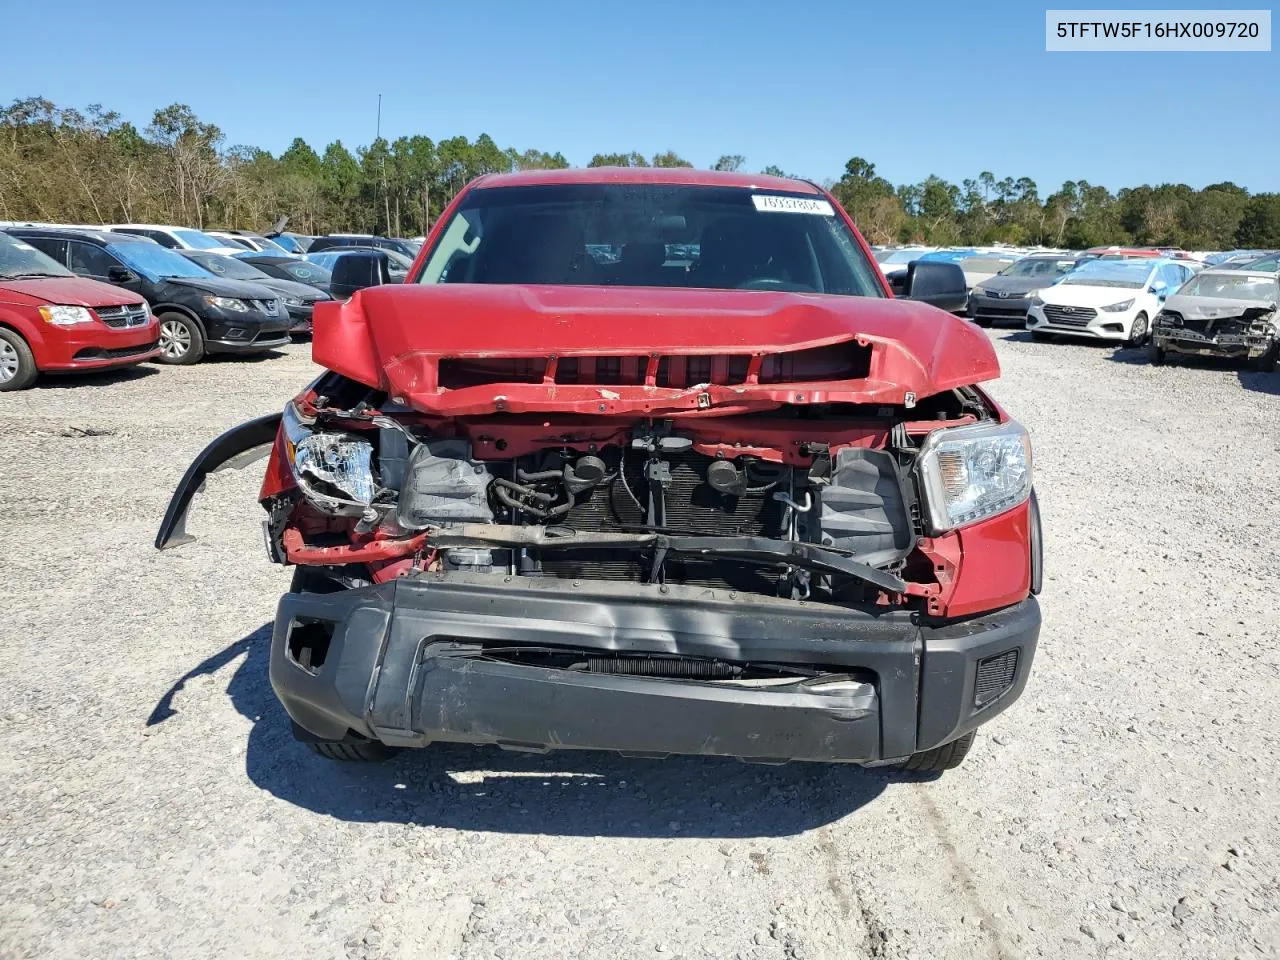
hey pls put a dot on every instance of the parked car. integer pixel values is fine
(198, 312)
(299, 298)
(289, 268)
(1221, 313)
(398, 263)
(402, 247)
(52, 321)
(250, 241)
(752, 507)
(892, 260)
(1007, 295)
(1106, 299)
(1269, 263)
(175, 238)
(293, 242)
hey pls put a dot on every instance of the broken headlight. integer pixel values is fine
(974, 472)
(334, 470)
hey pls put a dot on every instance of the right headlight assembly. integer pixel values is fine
(334, 470)
(974, 472)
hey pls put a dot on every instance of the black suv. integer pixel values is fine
(198, 312)
(363, 240)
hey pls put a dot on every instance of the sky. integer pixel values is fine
(918, 88)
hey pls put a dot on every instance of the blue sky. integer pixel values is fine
(917, 88)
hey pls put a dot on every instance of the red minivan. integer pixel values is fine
(52, 321)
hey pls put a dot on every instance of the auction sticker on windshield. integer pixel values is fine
(773, 204)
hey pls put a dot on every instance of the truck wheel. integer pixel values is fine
(181, 341)
(1156, 355)
(353, 749)
(1266, 363)
(946, 757)
(17, 365)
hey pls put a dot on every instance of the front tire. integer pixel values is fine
(1268, 362)
(353, 749)
(181, 340)
(939, 759)
(1139, 331)
(1156, 355)
(17, 364)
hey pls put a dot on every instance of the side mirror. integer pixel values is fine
(119, 274)
(1160, 289)
(355, 271)
(940, 285)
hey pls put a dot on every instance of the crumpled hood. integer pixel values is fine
(1210, 308)
(68, 291)
(465, 349)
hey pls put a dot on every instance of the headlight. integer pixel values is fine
(66, 316)
(1117, 307)
(334, 470)
(978, 292)
(292, 302)
(1036, 301)
(228, 303)
(974, 472)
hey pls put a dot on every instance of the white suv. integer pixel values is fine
(1106, 299)
(175, 238)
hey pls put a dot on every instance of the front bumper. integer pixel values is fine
(96, 347)
(1189, 342)
(1100, 325)
(249, 333)
(300, 318)
(400, 663)
(998, 309)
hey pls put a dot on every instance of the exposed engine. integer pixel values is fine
(853, 503)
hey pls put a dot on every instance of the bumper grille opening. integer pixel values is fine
(309, 642)
(995, 676)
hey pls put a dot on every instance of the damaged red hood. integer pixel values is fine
(471, 349)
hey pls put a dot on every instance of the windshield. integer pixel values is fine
(728, 237)
(1224, 286)
(228, 267)
(305, 272)
(19, 259)
(154, 261)
(1130, 274)
(197, 240)
(269, 246)
(1039, 267)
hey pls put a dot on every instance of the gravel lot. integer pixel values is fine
(156, 806)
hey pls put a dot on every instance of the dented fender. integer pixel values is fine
(233, 450)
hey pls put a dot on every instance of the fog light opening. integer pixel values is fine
(309, 643)
(995, 676)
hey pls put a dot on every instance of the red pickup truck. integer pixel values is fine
(650, 461)
(52, 321)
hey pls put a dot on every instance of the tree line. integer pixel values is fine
(63, 164)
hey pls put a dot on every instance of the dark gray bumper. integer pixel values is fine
(400, 666)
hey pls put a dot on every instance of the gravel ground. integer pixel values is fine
(156, 805)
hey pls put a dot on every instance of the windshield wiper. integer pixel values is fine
(810, 556)
(32, 276)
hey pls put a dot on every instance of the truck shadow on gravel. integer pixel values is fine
(565, 793)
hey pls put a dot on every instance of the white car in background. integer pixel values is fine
(175, 238)
(897, 259)
(1107, 300)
